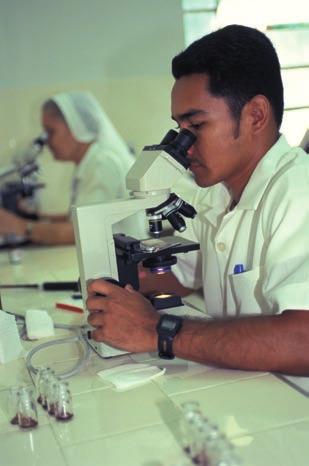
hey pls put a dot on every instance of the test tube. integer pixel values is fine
(63, 403)
(26, 408)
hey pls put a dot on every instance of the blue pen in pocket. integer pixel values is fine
(239, 268)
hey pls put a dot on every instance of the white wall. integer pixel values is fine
(119, 49)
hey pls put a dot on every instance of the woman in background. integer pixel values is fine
(78, 131)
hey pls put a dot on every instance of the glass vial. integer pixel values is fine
(26, 409)
(51, 394)
(63, 402)
(42, 384)
(191, 412)
(12, 404)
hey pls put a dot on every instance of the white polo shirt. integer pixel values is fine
(267, 232)
(100, 176)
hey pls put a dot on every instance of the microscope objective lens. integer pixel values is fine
(155, 227)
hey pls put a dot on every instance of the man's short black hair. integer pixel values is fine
(241, 62)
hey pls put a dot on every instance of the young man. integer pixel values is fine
(253, 218)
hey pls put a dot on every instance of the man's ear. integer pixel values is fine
(258, 112)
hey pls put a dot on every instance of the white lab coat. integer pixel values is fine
(100, 176)
(267, 232)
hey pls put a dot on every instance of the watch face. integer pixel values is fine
(169, 325)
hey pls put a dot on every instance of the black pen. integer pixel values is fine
(76, 296)
(45, 286)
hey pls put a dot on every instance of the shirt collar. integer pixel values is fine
(263, 173)
(217, 198)
(213, 203)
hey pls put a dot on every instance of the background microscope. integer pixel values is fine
(19, 183)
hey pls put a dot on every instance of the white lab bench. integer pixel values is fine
(266, 419)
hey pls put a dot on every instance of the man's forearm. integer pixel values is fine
(263, 343)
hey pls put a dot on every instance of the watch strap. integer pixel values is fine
(165, 347)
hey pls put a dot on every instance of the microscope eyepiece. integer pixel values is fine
(184, 140)
(169, 137)
(180, 145)
(41, 139)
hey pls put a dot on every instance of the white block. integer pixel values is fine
(39, 324)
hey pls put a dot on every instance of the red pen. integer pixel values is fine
(68, 306)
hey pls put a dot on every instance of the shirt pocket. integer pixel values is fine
(245, 291)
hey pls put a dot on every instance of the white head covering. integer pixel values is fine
(87, 120)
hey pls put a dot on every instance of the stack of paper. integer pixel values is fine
(10, 346)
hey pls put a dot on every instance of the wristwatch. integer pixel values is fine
(167, 328)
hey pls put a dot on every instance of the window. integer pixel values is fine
(291, 41)
(198, 18)
(286, 24)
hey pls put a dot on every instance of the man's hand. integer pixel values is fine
(11, 223)
(123, 318)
